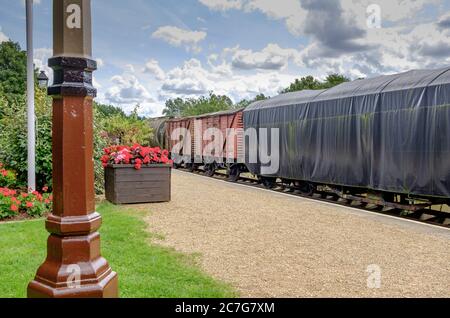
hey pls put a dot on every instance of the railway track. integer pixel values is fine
(428, 216)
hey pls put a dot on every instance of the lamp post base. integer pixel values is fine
(106, 288)
(74, 267)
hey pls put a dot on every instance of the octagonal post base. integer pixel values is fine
(74, 268)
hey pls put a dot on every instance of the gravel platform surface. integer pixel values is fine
(267, 244)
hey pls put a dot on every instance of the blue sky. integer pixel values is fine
(152, 50)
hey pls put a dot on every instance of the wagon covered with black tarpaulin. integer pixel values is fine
(389, 133)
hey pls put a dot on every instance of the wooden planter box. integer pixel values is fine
(125, 185)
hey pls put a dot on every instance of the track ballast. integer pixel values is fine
(427, 216)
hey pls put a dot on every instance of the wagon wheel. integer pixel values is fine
(268, 183)
(190, 167)
(210, 169)
(306, 188)
(234, 173)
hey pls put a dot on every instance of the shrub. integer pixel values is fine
(13, 202)
(100, 142)
(127, 130)
(9, 204)
(7, 177)
(13, 139)
(35, 204)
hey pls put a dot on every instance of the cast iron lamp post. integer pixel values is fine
(74, 266)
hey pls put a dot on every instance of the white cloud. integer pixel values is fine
(290, 11)
(194, 80)
(180, 37)
(189, 79)
(444, 21)
(392, 50)
(95, 83)
(127, 91)
(100, 62)
(272, 57)
(391, 10)
(340, 40)
(293, 13)
(3, 37)
(41, 56)
(222, 5)
(152, 67)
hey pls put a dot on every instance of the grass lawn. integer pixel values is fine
(145, 270)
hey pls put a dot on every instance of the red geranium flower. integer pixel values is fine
(14, 208)
(29, 204)
(137, 154)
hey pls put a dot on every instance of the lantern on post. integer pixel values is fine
(42, 80)
(74, 266)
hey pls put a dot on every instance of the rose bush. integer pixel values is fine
(137, 155)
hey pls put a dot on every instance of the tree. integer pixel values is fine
(197, 106)
(334, 80)
(174, 107)
(245, 102)
(205, 105)
(309, 82)
(120, 129)
(13, 70)
(108, 110)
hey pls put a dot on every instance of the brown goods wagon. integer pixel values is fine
(183, 125)
(230, 124)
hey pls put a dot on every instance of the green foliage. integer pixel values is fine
(13, 70)
(100, 142)
(174, 107)
(8, 204)
(7, 178)
(13, 140)
(113, 127)
(13, 202)
(108, 110)
(127, 130)
(35, 204)
(245, 102)
(144, 269)
(334, 80)
(197, 106)
(310, 83)
(111, 124)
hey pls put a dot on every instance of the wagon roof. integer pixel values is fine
(221, 113)
(385, 83)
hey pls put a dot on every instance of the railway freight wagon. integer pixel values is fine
(180, 145)
(388, 137)
(159, 127)
(222, 129)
